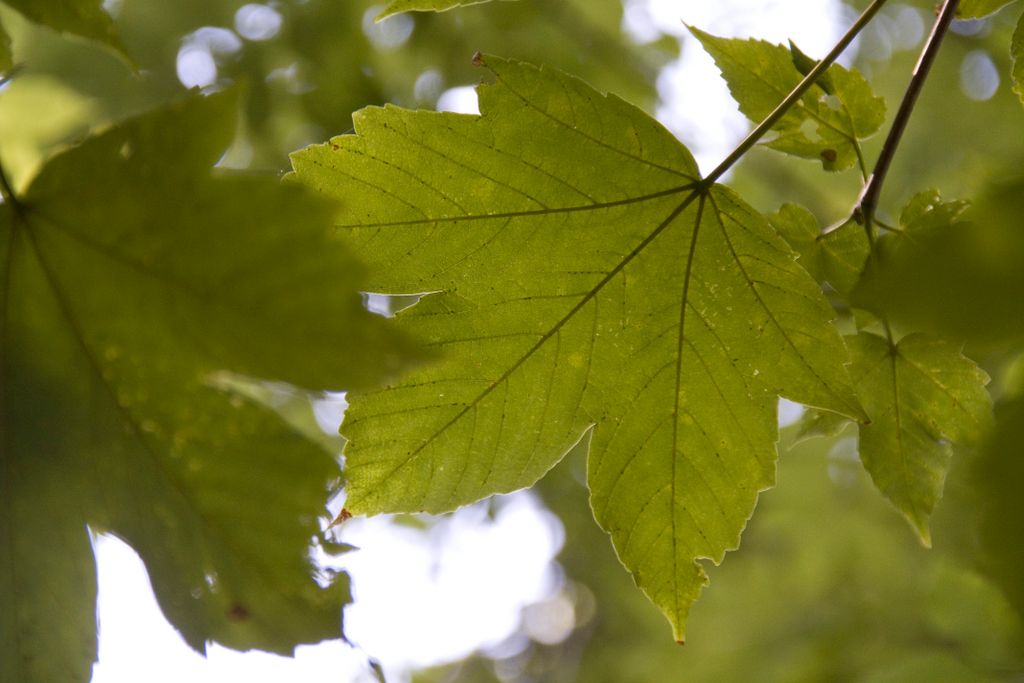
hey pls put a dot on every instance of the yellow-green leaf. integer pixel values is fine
(399, 6)
(829, 120)
(975, 9)
(578, 275)
(923, 396)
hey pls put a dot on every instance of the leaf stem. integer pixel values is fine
(867, 203)
(759, 131)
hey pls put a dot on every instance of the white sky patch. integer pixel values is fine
(137, 643)
(427, 597)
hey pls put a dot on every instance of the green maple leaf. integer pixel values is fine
(84, 18)
(829, 120)
(578, 274)
(923, 396)
(129, 278)
(399, 6)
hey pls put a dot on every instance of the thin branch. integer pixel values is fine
(812, 76)
(868, 201)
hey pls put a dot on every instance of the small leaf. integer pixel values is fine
(820, 423)
(975, 9)
(836, 256)
(399, 6)
(922, 396)
(1017, 53)
(826, 124)
(84, 18)
(581, 280)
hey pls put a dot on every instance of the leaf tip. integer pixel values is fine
(342, 517)
(478, 59)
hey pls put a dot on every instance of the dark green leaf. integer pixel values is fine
(580, 275)
(85, 18)
(999, 474)
(130, 277)
(954, 272)
(829, 120)
(6, 61)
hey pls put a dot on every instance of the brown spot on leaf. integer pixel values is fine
(829, 155)
(478, 59)
(343, 516)
(238, 612)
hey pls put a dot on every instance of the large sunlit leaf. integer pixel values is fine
(923, 396)
(577, 273)
(829, 120)
(399, 6)
(130, 278)
(85, 18)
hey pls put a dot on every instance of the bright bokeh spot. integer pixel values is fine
(979, 75)
(389, 33)
(257, 22)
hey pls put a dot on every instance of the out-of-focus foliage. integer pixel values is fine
(955, 272)
(129, 280)
(302, 80)
(85, 18)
